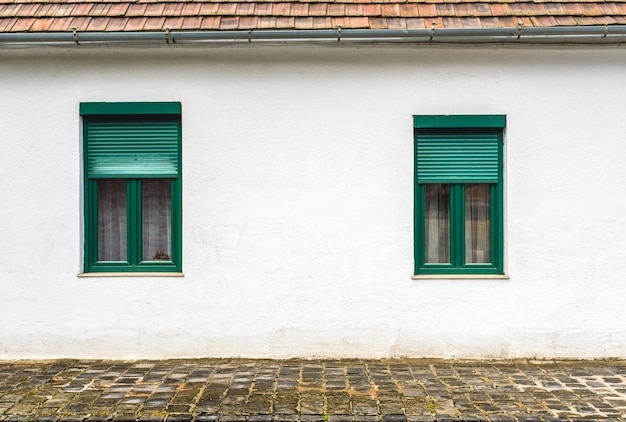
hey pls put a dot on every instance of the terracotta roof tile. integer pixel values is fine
(193, 22)
(210, 22)
(191, 9)
(8, 10)
(117, 24)
(40, 24)
(6, 24)
(229, 23)
(118, 9)
(471, 23)
(445, 9)
(416, 23)
(282, 9)
(154, 24)
(155, 9)
(391, 10)
(285, 23)
(245, 9)
(378, 23)
(173, 9)
(248, 22)
(225, 9)
(372, 10)
(354, 10)
(490, 22)
(213, 9)
(135, 24)
(409, 10)
(136, 10)
(427, 10)
(23, 25)
(299, 9)
(396, 23)
(61, 25)
(137, 15)
(336, 9)
(322, 23)
(264, 9)
(49, 9)
(97, 24)
(267, 22)
(303, 23)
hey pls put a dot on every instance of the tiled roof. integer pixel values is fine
(177, 15)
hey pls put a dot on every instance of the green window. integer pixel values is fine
(458, 194)
(132, 170)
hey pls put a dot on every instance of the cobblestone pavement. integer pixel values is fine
(312, 390)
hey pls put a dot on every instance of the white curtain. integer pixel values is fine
(477, 223)
(437, 223)
(112, 220)
(156, 219)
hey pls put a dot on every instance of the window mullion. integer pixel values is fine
(457, 230)
(462, 226)
(134, 221)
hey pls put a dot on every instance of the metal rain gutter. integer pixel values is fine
(606, 34)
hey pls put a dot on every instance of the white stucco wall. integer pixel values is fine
(298, 204)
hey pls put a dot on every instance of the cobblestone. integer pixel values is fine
(238, 390)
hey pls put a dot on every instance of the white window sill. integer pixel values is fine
(147, 274)
(461, 276)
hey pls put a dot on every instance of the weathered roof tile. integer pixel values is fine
(193, 22)
(23, 24)
(7, 23)
(285, 23)
(117, 24)
(248, 22)
(135, 24)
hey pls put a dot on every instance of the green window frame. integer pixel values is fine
(132, 153)
(458, 158)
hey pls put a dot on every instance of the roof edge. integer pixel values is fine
(600, 34)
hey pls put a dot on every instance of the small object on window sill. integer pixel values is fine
(161, 256)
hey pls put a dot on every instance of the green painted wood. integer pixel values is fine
(473, 154)
(459, 121)
(133, 147)
(102, 109)
(124, 148)
(453, 156)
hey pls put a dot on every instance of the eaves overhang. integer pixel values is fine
(607, 34)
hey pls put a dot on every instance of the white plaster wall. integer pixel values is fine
(298, 204)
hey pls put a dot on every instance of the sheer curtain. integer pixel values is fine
(156, 219)
(437, 223)
(112, 220)
(477, 223)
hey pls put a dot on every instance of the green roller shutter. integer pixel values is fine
(458, 155)
(120, 147)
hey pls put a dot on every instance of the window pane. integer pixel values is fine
(437, 223)
(477, 223)
(112, 220)
(156, 204)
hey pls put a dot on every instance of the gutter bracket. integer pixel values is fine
(338, 33)
(75, 35)
(606, 30)
(520, 24)
(167, 35)
(432, 31)
(250, 36)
